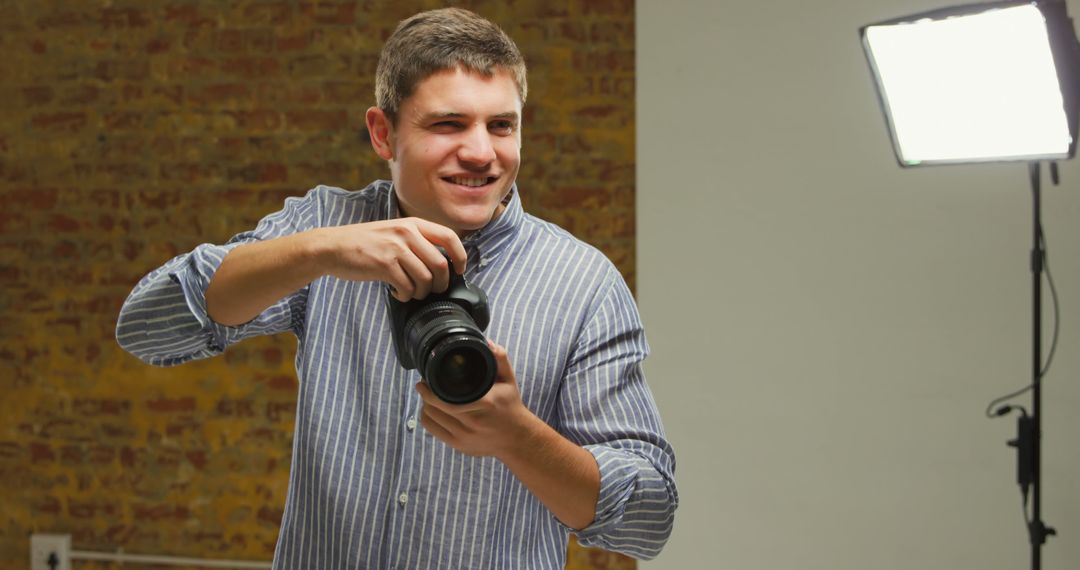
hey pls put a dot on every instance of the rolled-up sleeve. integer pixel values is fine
(607, 408)
(164, 321)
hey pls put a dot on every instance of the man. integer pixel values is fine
(567, 440)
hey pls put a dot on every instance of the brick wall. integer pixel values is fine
(131, 131)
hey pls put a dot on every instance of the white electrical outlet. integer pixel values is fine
(50, 552)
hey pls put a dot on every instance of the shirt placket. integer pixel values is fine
(405, 513)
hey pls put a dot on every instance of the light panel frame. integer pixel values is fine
(1065, 51)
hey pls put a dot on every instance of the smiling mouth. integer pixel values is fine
(471, 181)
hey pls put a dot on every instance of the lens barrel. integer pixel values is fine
(450, 351)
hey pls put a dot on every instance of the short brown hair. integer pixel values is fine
(438, 40)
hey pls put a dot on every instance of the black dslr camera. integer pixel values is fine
(442, 336)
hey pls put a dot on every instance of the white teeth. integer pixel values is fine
(473, 182)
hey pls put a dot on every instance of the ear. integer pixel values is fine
(380, 131)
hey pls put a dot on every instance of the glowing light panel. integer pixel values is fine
(971, 88)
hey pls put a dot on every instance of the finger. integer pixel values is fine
(433, 401)
(399, 280)
(448, 239)
(436, 264)
(437, 410)
(448, 422)
(435, 429)
(418, 274)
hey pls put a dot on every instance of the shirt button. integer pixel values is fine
(402, 499)
(411, 424)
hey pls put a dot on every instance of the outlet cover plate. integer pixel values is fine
(43, 545)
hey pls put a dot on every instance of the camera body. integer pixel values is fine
(442, 336)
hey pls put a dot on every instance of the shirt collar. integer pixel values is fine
(490, 240)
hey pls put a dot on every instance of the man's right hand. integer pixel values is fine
(402, 252)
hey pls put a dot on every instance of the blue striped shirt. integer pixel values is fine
(369, 487)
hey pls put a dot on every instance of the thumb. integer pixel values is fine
(503, 371)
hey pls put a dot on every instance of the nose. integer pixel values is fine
(476, 149)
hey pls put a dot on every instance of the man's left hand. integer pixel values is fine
(490, 426)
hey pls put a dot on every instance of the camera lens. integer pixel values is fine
(461, 369)
(450, 352)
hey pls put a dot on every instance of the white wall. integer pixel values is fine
(828, 328)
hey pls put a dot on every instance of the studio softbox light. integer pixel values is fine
(977, 83)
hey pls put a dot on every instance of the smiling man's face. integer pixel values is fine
(456, 148)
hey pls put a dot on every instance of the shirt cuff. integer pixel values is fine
(618, 479)
(194, 277)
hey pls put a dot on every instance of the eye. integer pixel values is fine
(446, 126)
(502, 127)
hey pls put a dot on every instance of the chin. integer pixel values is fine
(469, 226)
(471, 221)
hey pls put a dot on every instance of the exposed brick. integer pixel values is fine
(300, 94)
(259, 173)
(130, 70)
(188, 15)
(572, 30)
(10, 274)
(48, 505)
(236, 408)
(608, 61)
(121, 173)
(294, 42)
(138, 130)
(63, 20)
(610, 32)
(191, 67)
(63, 223)
(119, 534)
(94, 407)
(158, 45)
(128, 457)
(329, 13)
(171, 405)
(256, 121)
(317, 120)
(41, 453)
(276, 411)
(273, 13)
(270, 516)
(123, 18)
(251, 67)
(187, 172)
(608, 85)
(123, 120)
(229, 40)
(65, 249)
(346, 92)
(37, 95)
(91, 509)
(282, 382)
(13, 172)
(319, 66)
(78, 95)
(33, 198)
(10, 449)
(272, 356)
(161, 512)
(607, 7)
(197, 459)
(56, 122)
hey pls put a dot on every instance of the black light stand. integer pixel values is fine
(908, 82)
(1028, 440)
